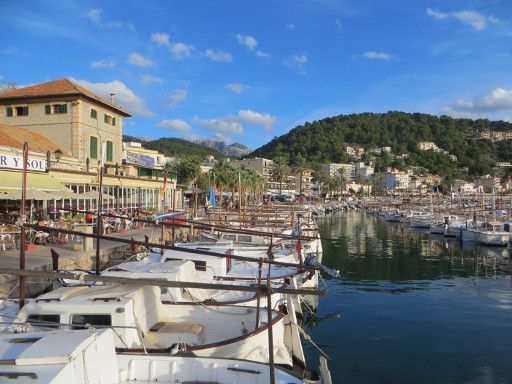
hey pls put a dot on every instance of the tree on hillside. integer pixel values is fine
(187, 169)
(280, 171)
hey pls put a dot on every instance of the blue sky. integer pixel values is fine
(247, 71)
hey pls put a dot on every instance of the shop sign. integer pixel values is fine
(16, 162)
(141, 160)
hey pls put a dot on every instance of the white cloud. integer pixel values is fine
(124, 96)
(474, 19)
(150, 79)
(160, 38)
(374, 55)
(300, 59)
(247, 41)
(94, 14)
(290, 27)
(500, 99)
(297, 61)
(221, 126)
(339, 26)
(255, 118)
(103, 63)
(181, 50)
(175, 125)
(236, 88)
(176, 97)
(261, 54)
(213, 55)
(139, 60)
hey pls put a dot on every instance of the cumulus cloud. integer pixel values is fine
(103, 63)
(175, 125)
(139, 60)
(150, 79)
(221, 126)
(236, 88)
(179, 50)
(124, 96)
(500, 99)
(94, 14)
(255, 118)
(160, 38)
(176, 97)
(213, 55)
(247, 41)
(374, 55)
(298, 61)
(291, 27)
(474, 19)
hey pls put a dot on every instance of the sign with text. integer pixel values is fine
(16, 162)
(139, 159)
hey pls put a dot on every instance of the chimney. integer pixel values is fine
(112, 95)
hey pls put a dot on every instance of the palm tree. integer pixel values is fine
(300, 165)
(280, 171)
(340, 180)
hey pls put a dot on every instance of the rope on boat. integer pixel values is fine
(308, 338)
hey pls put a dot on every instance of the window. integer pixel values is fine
(39, 320)
(110, 120)
(93, 148)
(79, 321)
(200, 265)
(48, 109)
(110, 151)
(60, 108)
(8, 111)
(94, 113)
(21, 111)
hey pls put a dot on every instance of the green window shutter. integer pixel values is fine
(93, 148)
(94, 114)
(47, 109)
(64, 108)
(9, 111)
(110, 151)
(113, 121)
(24, 111)
(105, 118)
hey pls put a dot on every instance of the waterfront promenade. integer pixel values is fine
(40, 258)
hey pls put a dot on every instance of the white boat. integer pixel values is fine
(143, 323)
(88, 357)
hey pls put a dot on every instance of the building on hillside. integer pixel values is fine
(393, 180)
(463, 187)
(260, 165)
(488, 183)
(363, 171)
(70, 129)
(495, 135)
(348, 170)
(428, 145)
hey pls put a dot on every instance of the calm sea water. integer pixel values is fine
(412, 308)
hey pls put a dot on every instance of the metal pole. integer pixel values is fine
(99, 227)
(270, 331)
(258, 295)
(22, 220)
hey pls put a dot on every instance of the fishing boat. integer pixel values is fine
(142, 323)
(76, 355)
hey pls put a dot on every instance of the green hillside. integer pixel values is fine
(178, 148)
(326, 141)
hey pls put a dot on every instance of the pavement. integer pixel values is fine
(40, 257)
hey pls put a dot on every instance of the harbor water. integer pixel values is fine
(411, 307)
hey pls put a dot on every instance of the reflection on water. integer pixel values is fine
(410, 307)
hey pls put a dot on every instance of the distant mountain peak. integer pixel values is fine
(229, 150)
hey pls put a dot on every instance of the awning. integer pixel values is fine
(11, 181)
